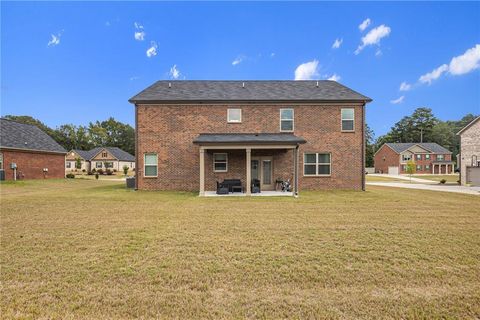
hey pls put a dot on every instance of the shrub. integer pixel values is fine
(96, 175)
(100, 171)
(83, 170)
(70, 176)
(443, 181)
(90, 173)
(125, 169)
(114, 170)
(109, 172)
(94, 170)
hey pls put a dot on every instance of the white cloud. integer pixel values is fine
(405, 86)
(364, 25)
(434, 75)
(139, 32)
(238, 60)
(152, 51)
(307, 70)
(337, 43)
(134, 78)
(466, 62)
(55, 40)
(272, 54)
(174, 72)
(334, 77)
(397, 101)
(373, 37)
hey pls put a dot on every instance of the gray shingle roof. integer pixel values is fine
(273, 90)
(252, 138)
(118, 153)
(26, 137)
(433, 147)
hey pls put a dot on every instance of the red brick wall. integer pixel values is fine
(170, 130)
(384, 158)
(31, 164)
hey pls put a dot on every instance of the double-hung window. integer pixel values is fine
(69, 164)
(427, 157)
(234, 115)
(151, 165)
(419, 157)
(220, 162)
(317, 164)
(348, 119)
(286, 120)
(406, 157)
(440, 157)
(419, 167)
(98, 164)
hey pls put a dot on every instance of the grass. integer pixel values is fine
(88, 250)
(451, 178)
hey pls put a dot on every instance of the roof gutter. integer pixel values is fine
(32, 150)
(134, 101)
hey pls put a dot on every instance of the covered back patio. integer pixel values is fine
(248, 163)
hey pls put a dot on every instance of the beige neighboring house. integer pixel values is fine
(469, 158)
(100, 158)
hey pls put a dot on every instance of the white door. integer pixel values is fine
(393, 170)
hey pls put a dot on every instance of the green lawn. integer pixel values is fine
(451, 178)
(88, 249)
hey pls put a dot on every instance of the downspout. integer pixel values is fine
(136, 147)
(295, 161)
(363, 146)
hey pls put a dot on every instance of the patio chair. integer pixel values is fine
(221, 188)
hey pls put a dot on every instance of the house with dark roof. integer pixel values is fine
(429, 158)
(469, 157)
(100, 158)
(26, 152)
(202, 135)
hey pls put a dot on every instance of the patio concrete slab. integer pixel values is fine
(241, 194)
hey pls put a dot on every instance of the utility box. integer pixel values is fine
(130, 182)
(13, 165)
(2, 174)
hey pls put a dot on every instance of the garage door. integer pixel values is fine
(393, 170)
(473, 176)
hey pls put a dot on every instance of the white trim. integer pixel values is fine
(341, 120)
(226, 162)
(293, 120)
(228, 115)
(317, 164)
(243, 146)
(150, 165)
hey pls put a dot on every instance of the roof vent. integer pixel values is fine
(169, 84)
(317, 84)
(243, 84)
(25, 142)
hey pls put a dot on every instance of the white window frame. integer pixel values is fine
(68, 165)
(226, 162)
(427, 157)
(441, 155)
(149, 165)
(1, 160)
(228, 115)
(427, 167)
(317, 164)
(419, 167)
(405, 160)
(418, 157)
(96, 165)
(292, 119)
(341, 120)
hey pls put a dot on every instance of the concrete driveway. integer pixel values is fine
(429, 186)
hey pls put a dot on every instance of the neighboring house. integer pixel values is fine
(100, 158)
(191, 134)
(35, 154)
(430, 158)
(469, 159)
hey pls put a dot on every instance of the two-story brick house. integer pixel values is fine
(429, 158)
(469, 158)
(191, 134)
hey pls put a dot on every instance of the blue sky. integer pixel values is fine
(80, 62)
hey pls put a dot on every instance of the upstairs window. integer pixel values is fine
(427, 157)
(234, 115)
(406, 157)
(104, 154)
(220, 162)
(151, 165)
(348, 119)
(419, 157)
(440, 157)
(316, 164)
(286, 120)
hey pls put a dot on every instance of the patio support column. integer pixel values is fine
(202, 172)
(249, 171)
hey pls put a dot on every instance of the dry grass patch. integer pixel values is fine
(89, 249)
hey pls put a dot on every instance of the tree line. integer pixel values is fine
(421, 125)
(108, 133)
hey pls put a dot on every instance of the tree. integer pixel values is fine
(113, 133)
(369, 146)
(125, 169)
(78, 163)
(411, 168)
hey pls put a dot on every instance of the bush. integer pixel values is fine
(70, 176)
(109, 172)
(125, 169)
(96, 175)
(114, 170)
(90, 173)
(443, 181)
(100, 171)
(94, 170)
(83, 170)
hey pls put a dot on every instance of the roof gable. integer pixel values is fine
(468, 126)
(261, 91)
(16, 135)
